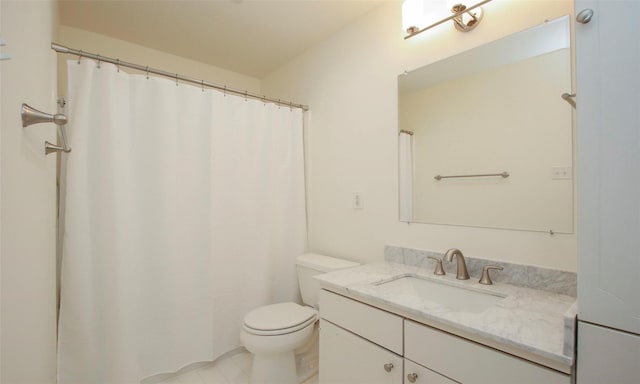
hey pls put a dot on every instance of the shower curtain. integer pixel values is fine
(183, 210)
(405, 176)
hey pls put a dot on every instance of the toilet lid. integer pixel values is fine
(278, 317)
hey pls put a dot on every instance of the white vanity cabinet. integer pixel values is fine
(360, 343)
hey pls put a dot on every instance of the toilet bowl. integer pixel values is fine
(272, 334)
(275, 333)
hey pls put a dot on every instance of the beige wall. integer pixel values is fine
(28, 314)
(123, 50)
(349, 81)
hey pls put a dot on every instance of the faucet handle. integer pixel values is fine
(486, 279)
(439, 270)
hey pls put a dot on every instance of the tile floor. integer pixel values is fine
(233, 369)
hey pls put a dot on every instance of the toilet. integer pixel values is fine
(283, 337)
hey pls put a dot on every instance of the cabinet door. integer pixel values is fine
(349, 359)
(608, 132)
(422, 375)
(607, 356)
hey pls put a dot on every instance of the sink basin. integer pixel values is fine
(454, 297)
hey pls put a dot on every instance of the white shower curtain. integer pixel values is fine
(184, 209)
(405, 176)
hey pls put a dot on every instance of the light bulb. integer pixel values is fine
(436, 10)
(423, 13)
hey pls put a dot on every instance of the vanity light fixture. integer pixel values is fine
(420, 15)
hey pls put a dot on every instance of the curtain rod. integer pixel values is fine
(80, 53)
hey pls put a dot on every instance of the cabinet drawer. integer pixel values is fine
(471, 363)
(383, 328)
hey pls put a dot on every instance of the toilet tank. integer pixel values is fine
(311, 264)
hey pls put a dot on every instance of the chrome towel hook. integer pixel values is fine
(32, 116)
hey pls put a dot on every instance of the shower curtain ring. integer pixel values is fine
(245, 95)
(279, 103)
(118, 64)
(264, 100)
(202, 81)
(147, 70)
(291, 106)
(225, 91)
(176, 79)
(79, 56)
(98, 62)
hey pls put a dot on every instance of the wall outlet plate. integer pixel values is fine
(562, 173)
(357, 200)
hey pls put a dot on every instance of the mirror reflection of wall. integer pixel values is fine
(494, 109)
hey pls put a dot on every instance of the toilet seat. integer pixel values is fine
(278, 319)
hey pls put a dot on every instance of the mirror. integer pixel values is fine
(486, 138)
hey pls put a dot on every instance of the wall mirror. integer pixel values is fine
(485, 137)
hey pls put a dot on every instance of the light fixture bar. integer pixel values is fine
(452, 17)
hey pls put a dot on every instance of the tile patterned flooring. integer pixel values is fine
(233, 369)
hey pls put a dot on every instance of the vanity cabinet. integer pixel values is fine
(360, 343)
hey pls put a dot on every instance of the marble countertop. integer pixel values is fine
(528, 323)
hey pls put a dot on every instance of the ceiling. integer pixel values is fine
(251, 37)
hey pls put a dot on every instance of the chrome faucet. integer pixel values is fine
(462, 273)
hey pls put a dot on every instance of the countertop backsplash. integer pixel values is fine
(545, 279)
